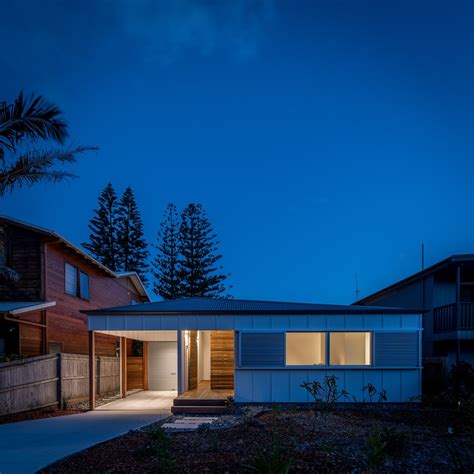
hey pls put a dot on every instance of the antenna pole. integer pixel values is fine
(422, 256)
(357, 291)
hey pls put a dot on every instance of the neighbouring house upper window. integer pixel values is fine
(71, 285)
(350, 348)
(84, 285)
(305, 348)
(76, 282)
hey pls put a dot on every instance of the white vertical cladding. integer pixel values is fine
(284, 385)
(246, 321)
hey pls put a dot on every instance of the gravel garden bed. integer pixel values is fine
(341, 441)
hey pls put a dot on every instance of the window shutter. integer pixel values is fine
(262, 349)
(71, 279)
(392, 349)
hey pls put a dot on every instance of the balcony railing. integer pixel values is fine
(445, 318)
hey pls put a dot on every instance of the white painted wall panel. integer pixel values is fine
(354, 381)
(252, 386)
(262, 386)
(244, 322)
(297, 393)
(280, 385)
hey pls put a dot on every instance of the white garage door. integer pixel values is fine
(162, 365)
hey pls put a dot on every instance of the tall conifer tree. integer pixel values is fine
(132, 246)
(103, 237)
(166, 264)
(199, 273)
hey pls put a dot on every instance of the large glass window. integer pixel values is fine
(71, 285)
(350, 348)
(305, 348)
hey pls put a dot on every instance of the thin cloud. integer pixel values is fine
(164, 30)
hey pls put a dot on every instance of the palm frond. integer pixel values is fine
(33, 117)
(8, 274)
(35, 166)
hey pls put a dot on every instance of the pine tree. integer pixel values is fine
(132, 246)
(103, 238)
(166, 264)
(198, 271)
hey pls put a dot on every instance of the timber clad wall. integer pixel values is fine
(193, 361)
(24, 256)
(222, 360)
(65, 323)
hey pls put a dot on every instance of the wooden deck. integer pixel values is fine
(204, 392)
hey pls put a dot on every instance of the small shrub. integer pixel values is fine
(376, 451)
(160, 447)
(382, 443)
(372, 392)
(229, 401)
(325, 395)
(276, 409)
(271, 462)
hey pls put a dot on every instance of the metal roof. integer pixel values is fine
(453, 259)
(134, 277)
(18, 307)
(200, 305)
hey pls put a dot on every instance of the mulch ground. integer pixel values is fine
(49, 412)
(436, 441)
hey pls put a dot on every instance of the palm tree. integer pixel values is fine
(22, 125)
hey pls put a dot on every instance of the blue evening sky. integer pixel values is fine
(323, 138)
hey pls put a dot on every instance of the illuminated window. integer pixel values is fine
(350, 348)
(305, 348)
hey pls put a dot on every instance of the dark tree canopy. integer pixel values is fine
(166, 264)
(200, 274)
(132, 246)
(103, 244)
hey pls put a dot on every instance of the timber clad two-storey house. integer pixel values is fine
(40, 312)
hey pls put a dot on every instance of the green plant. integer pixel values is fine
(376, 451)
(229, 401)
(276, 409)
(373, 392)
(272, 462)
(383, 442)
(325, 395)
(159, 446)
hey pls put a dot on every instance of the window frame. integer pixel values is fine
(371, 349)
(327, 365)
(313, 366)
(79, 272)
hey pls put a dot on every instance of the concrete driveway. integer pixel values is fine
(27, 446)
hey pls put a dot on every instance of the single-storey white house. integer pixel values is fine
(262, 351)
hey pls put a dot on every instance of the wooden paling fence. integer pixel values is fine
(53, 379)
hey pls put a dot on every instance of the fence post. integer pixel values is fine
(99, 388)
(59, 374)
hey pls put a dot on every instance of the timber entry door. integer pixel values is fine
(222, 360)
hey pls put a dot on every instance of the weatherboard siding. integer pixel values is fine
(66, 324)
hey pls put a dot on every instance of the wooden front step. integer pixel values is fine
(196, 402)
(199, 410)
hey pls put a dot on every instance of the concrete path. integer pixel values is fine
(27, 446)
